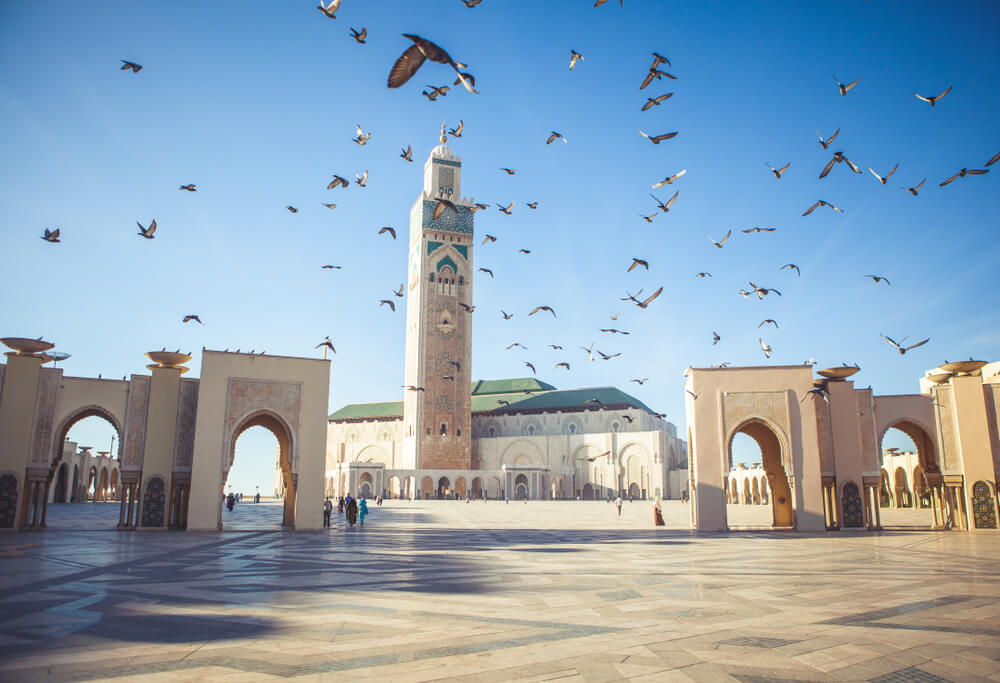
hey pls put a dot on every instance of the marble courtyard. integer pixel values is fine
(432, 590)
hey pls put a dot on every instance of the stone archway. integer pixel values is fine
(771, 449)
(277, 426)
(521, 488)
(61, 493)
(393, 487)
(443, 488)
(901, 489)
(588, 492)
(366, 485)
(426, 488)
(477, 487)
(461, 488)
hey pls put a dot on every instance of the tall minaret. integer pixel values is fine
(437, 421)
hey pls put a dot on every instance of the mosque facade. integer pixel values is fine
(517, 438)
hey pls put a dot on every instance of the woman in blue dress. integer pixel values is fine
(362, 510)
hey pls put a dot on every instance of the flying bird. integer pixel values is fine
(147, 232)
(994, 159)
(389, 303)
(964, 172)
(507, 209)
(628, 418)
(359, 35)
(437, 91)
(487, 271)
(596, 401)
(407, 153)
(443, 204)
(826, 143)
(561, 365)
(362, 137)
(543, 308)
(763, 291)
(489, 238)
(655, 101)
(530, 366)
(329, 9)
(657, 139)
(721, 242)
(478, 207)
(574, 58)
(326, 343)
(126, 65)
(838, 157)
(702, 274)
(556, 347)
(878, 278)
(915, 190)
(362, 179)
(517, 344)
(612, 330)
(413, 388)
(53, 235)
(415, 55)
(508, 171)
(590, 351)
(506, 315)
(659, 59)
(338, 182)
(792, 266)
(819, 203)
(553, 136)
(189, 318)
(898, 346)
(448, 377)
(768, 320)
(669, 179)
(640, 382)
(816, 391)
(457, 364)
(645, 302)
(844, 88)
(457, 131)
(189, 187)
(388, 229)
(692, 394)
(636, 262)
(291, 209)
(765, 348)
(715, 338)
(398, 292)
(329, 206)
(605, 453)
(330, 267)
(648, 219)
(471, 3)
(884, 178)
(665, 208)
(778, 171)
(502, 402)
(933, 100)
(532, 205)
(466, 307)
(755, 229)
(657, 74)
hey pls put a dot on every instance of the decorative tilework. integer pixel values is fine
(8, 501)
(460, 221)
(154, 501)
(854, 515)
(983, 511)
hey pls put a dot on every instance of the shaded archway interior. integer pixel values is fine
(771, 460)
(272, 424)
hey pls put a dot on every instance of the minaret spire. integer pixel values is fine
(444, 135)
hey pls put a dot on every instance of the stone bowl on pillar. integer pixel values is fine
(838, 373)
(26, 347)
(963, 367)
(168, 359)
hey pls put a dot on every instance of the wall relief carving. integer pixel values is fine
(187, 411)
(247, 396)
(49, 383)
(135, 422)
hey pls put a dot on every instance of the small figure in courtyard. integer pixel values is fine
(630, 497)
(230, 502)
(351, 506)
(684, 496)
(363, 511)
(327, 511)
(657, 512)
(340, 505)
(256, 498)
(618, 504)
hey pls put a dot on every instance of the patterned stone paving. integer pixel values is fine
(488, 592)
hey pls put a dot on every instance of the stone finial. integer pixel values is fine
(444, 134)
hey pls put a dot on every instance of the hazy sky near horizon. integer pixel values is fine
(257, 103)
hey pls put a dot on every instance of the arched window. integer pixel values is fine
(444, 429)
(458, 432)
(615, 426)
(531, 430)
(432, 277)
(492, 431)
(572, 428)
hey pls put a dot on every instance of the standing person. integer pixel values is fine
(618, 504)
(351, 507)
(327, 511)
(657, 513)
(363, 510)
(340, 505)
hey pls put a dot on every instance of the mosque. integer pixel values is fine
(820, 437)
(516, 438)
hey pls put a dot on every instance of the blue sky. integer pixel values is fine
(257, 104)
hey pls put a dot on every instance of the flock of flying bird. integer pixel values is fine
(421, 50)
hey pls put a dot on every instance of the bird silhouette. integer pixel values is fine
(792, 266)
(388, 229)
(819, 203)
(443, 204)
(413, 58)
(665, 208)
(532, 205)
(407, 153)
(722, 241)
(147, 232)
(715, 338)
(826, 143)
(327, 343)
(506, 315)
(964, 172)
(126, 65)
(387, 302)
(702, 274)
(765, 348)
(883, 179)
(657, 139)
(530, 366)
(506, 210)
(329, 9)
(564, 364)
(898, 345)
(553, 136)
(669, 179)
(291, 209)
(361, 180)
(778, 171)
(543, 308)
(655, 101)
(636, 262)
(359, 35)
(844, 88)
(362, 137)
(189, 187)
(878, 278)
(933, 99)
(189, 318)
(487, 271)
(53, 235)
(838, 157)
(574, 58)
(915, 190)
(457, 131)
(329, 267)
(768, 320)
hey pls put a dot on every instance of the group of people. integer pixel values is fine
(233, 498)
(356, 510)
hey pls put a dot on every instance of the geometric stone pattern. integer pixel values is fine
(772, 406)
(45, 412)
(187, 411)
(488, 591)
(135, 422)
(984, 513)
(853, 514)
(946, 425)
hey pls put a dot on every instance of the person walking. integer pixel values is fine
(618, 504)
(351, 507)
(657, 513)
(327, 511)
(340, 505)
(363, 510)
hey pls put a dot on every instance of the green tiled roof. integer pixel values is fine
(486, 393)
(361, 410)
(508, 386)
